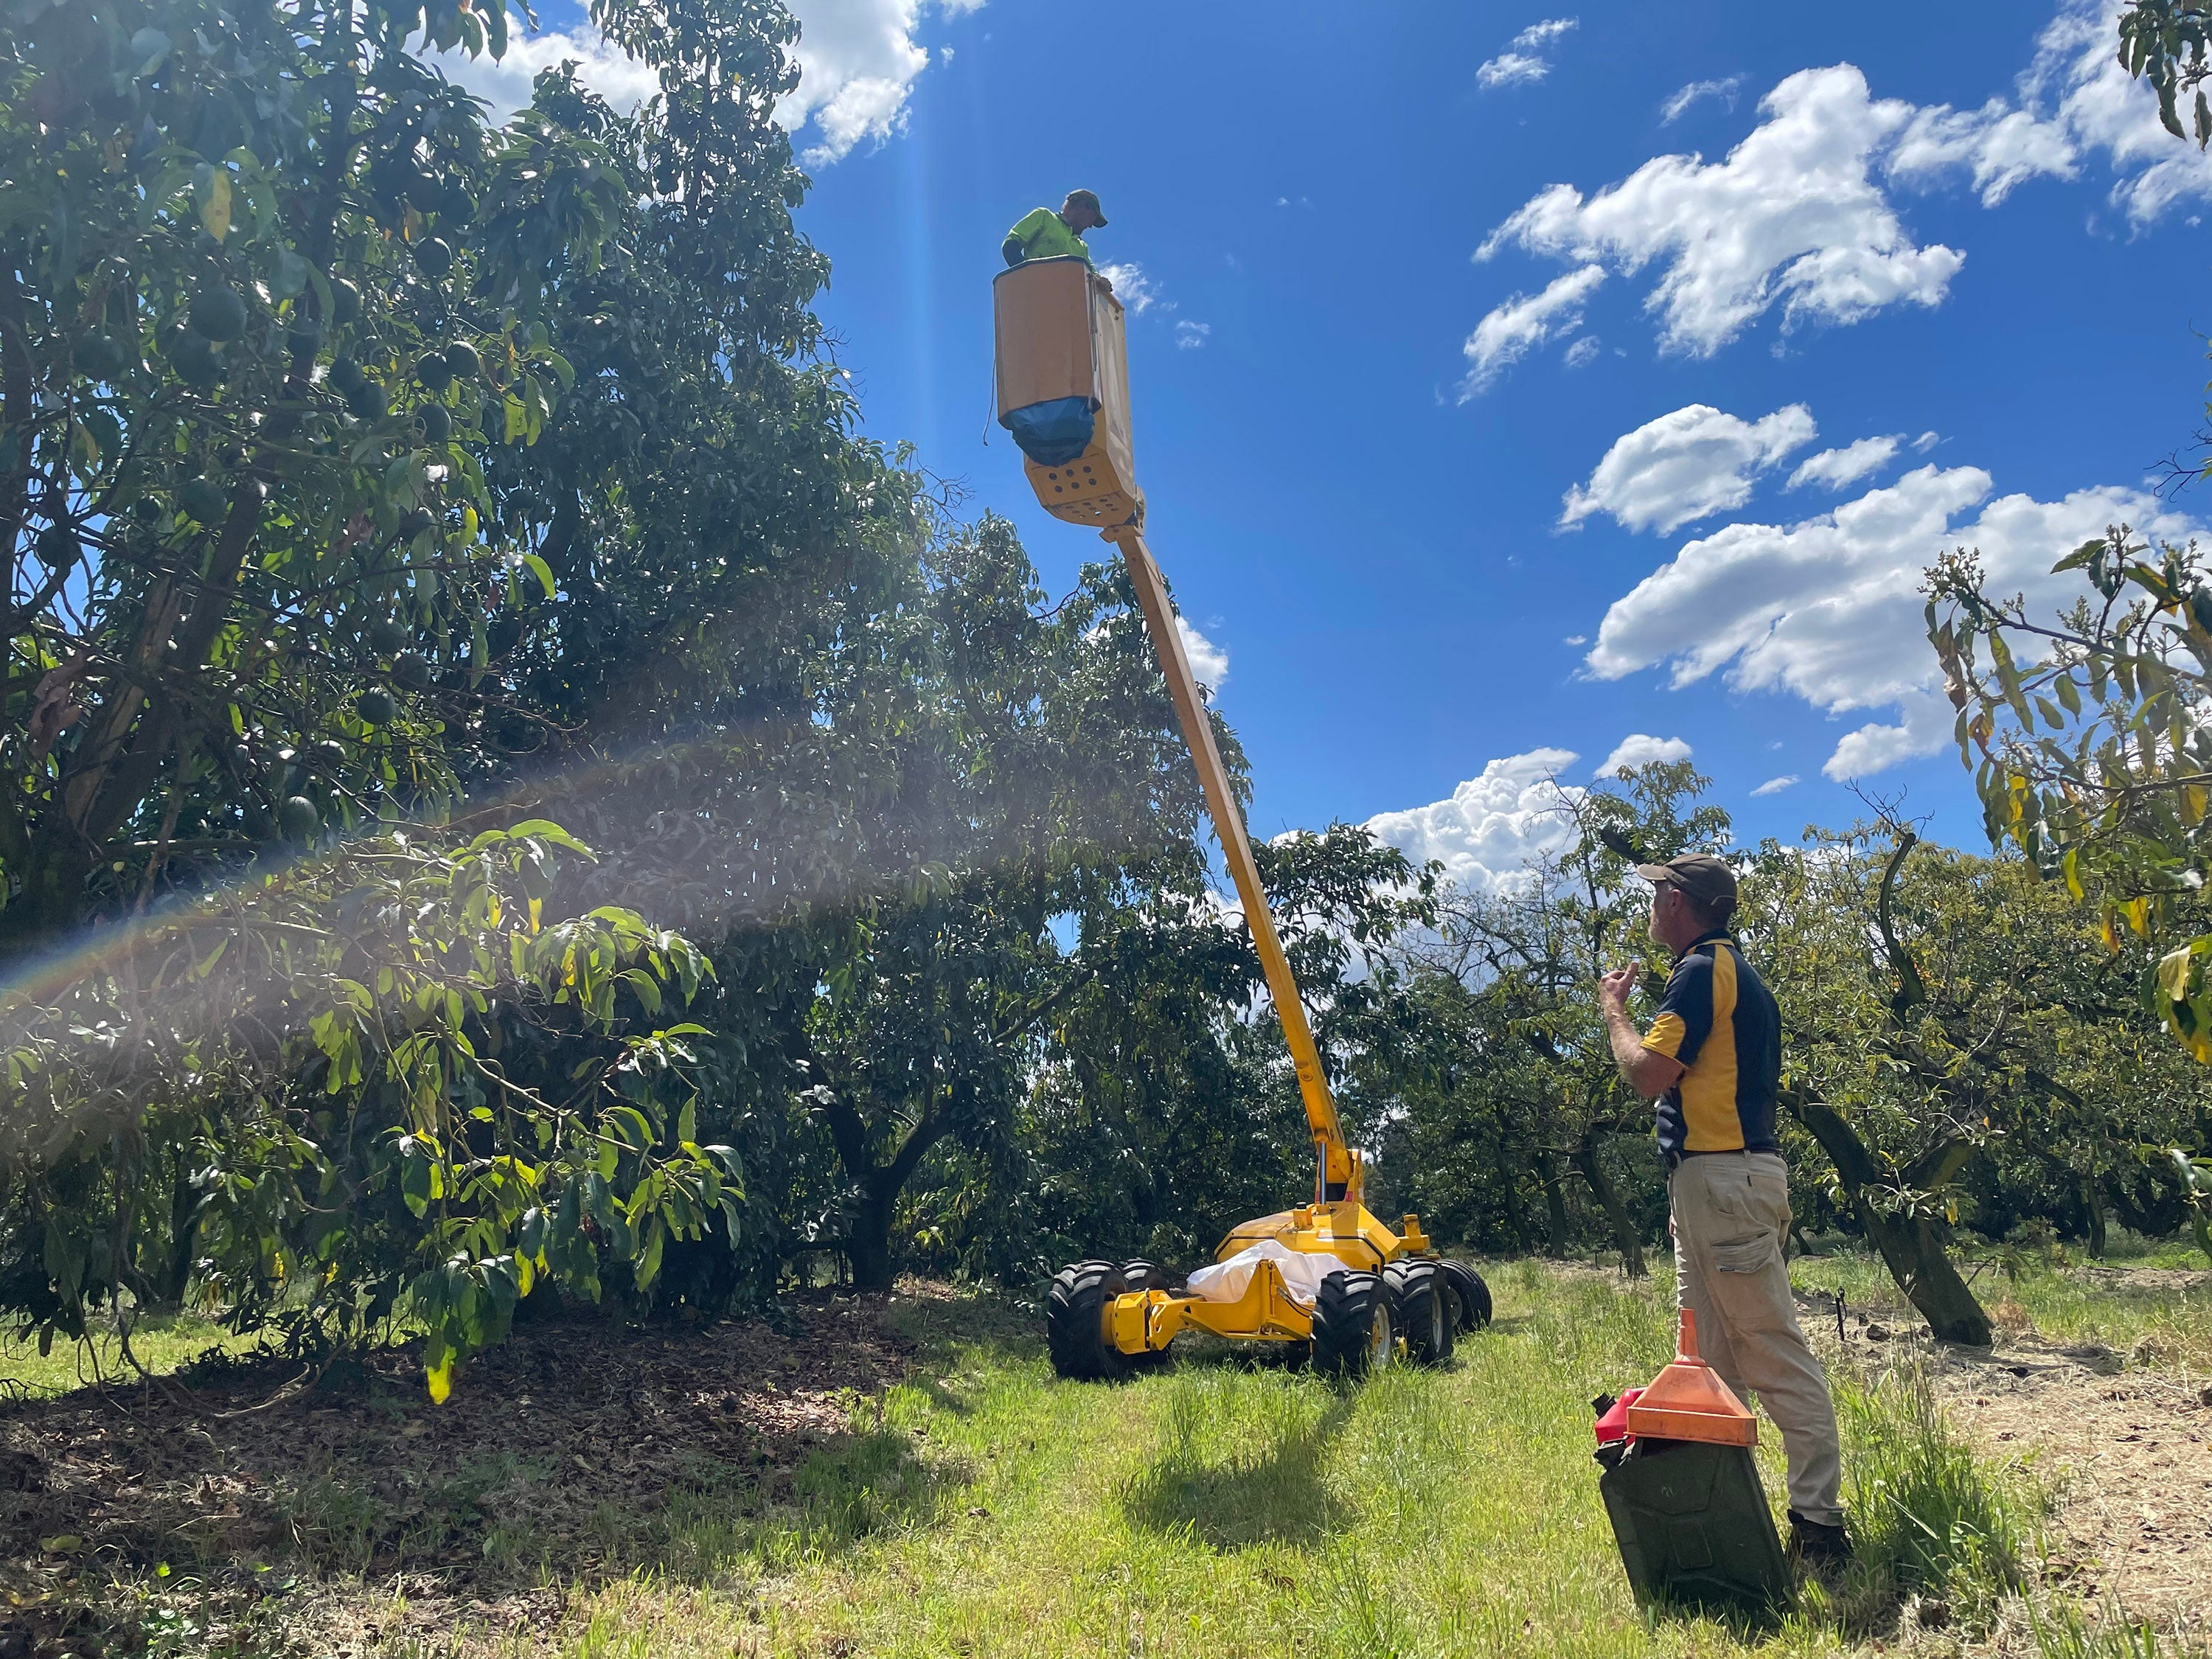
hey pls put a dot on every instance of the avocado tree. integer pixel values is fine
(2086, 734)
(272, 290)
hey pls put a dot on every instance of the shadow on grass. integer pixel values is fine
(839, 1497)
(1266, 1487)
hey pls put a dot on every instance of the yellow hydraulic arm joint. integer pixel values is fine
(1337, 1166)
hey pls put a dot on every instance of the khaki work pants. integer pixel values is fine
(1731, 1215)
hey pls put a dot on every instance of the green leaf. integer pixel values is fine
(211, 194)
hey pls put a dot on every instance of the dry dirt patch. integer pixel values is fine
(556, 1451)
(2126, 1452)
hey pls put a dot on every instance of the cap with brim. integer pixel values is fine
(1703, 877)
(1089, 200)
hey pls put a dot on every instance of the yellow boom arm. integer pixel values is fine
(1337, 1165)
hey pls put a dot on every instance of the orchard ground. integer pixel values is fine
(904, 1477)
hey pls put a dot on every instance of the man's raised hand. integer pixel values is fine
(1613, 988)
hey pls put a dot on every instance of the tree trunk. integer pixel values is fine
(880, 1185)
(2092, 1200)
(1911, 1248)
(1507, 1185)
(1625, 1233)
(1555, 1205)
(183, 1232)
(869, 1243)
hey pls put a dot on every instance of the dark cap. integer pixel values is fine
(1706, 878)
(1085, 198)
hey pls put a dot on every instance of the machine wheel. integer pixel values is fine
(1139, 1274)
(1354, 1332)
(1142, 1275)
(1075, 1322)
(1473, 1294)
(1424, 1306)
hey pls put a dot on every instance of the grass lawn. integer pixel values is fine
(162, 1343)
(1209, 1509)
(982, 1507)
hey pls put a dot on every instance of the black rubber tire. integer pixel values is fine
(1427, 1320)
(1354, 1332)
(1075, 1312)
(1473, 1294)
(1139, 1274)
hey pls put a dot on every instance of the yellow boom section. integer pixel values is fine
(1062, 365)
(1339, 1169)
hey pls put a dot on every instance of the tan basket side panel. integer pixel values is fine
(1114, 384)
(1042, 317)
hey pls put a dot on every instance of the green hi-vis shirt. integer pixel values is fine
(1044, 234)
(1720, 1020)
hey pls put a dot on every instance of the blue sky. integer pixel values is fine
(1509, 382)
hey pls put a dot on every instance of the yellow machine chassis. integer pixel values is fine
(1145, 1322)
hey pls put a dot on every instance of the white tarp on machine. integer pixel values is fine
(1303, 1272)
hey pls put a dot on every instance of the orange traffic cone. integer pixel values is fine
(1687, 1400)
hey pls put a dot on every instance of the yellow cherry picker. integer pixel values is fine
(1326, 1273)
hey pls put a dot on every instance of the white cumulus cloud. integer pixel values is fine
(1722, 92)
(1828, 608)
(1775, 785)
(1640, 748)
(1836, 469)
(1190, 336)
(1209, 663)
(1792, 217)
(1799, 215)
(1537, 36)
(1519, 65)
(1688, 464)
(858, 62)
(2075, 103)
(1491, 826)
(1137, 291)
(1524, 323)
(1511, 69)
(505, 85)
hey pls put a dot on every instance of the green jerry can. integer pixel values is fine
(1683, 1494)
(1693, 1526)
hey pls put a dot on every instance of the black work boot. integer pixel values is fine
(1815, 1544)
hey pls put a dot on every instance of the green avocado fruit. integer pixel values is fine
(299, 819)
(435, 372)
(434, 257)
(193, 356)
(58, 547)
(203, 499)
(100, 357)
(410, 672)
(462, 359)
(375, 707)
(437, 423)
(219, 313)
(365, 402)
(345, 301)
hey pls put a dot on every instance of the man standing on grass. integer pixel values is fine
(1713, 1061)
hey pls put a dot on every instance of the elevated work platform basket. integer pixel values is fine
(1063, 383)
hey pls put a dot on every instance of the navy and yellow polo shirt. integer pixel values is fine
(1720, 1020)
